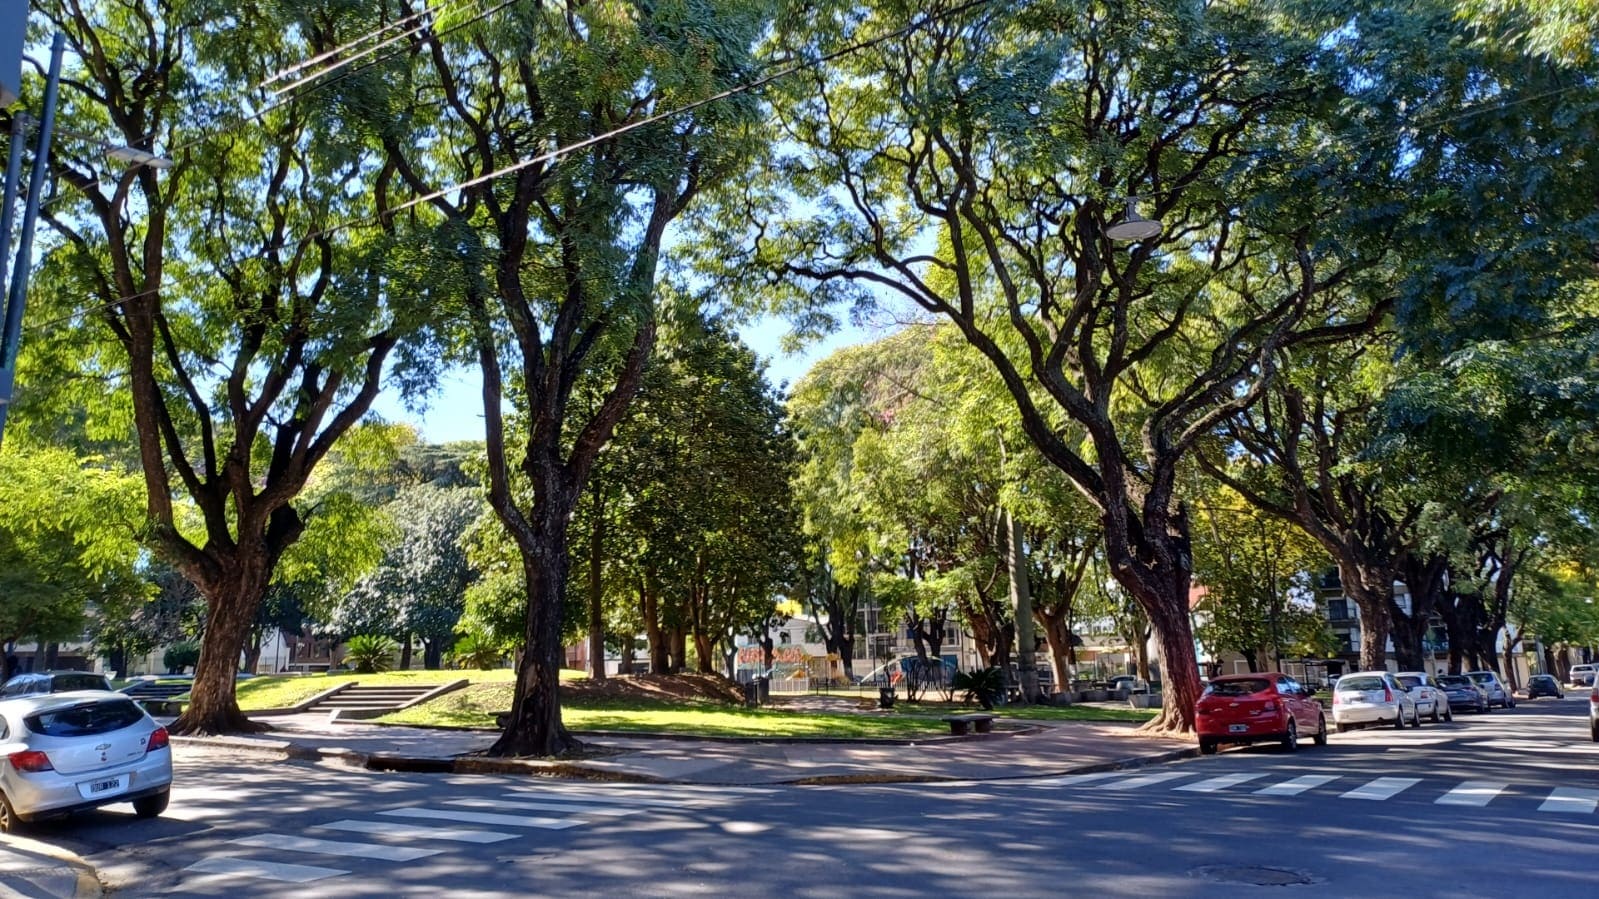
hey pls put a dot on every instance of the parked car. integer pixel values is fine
(1127, 682)
(1464, 693)
(1593, 713)
(1582, 675)
(1431, 700)
(1372, 697)
(1498, 694)
(1543, 685)
(1252, 708)
(66, 752)
(36, 683)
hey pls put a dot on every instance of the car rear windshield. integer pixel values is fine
(1483, 678)
(85, 719)
(1242, 687)
(63, 683)
(1454, 680)
(1410, 683)
(1353, 684)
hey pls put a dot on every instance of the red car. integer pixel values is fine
(1254, 708)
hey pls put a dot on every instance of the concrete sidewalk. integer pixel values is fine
(31, 868)
(1042, 749)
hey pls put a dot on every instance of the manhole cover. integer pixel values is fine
(1258, 875)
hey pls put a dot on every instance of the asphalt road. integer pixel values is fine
(1495, 805)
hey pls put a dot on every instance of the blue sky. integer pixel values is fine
(455, 411)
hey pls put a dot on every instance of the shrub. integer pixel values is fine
(181, 656)
(370, 653)
(982, 685)
(475, 651)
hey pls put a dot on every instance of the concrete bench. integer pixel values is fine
(962, 724)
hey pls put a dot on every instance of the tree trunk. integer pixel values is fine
(231, 605)
(679, 638)
(1372, 592)
(1021, 596)
(535, 727)
(650, 607)
(704, 652)
(405, 652)
(433, 654)
(596, 594)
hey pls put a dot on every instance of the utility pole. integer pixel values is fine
(17, 293)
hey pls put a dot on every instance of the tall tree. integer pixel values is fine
(237, 323)
(561, 251)
(972, 165)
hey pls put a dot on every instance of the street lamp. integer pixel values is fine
(17, 294)
(1132, 226)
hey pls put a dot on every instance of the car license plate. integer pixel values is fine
(105, 787)
(1237, 728)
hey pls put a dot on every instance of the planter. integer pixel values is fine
(1096, 695)
(1144, 700)
(1061, 698)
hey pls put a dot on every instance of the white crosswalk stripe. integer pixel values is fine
(335, 847)
(1382, 788)
(450, 814)
(1473, 792)
(1225, 781)
(1571, 800)
(573, 807)
(1297, 785)
(418, 831)
(1072, 780)
(263, 870)
(1144, 780)
(646, 801)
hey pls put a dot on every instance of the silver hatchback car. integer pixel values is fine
(67, 752)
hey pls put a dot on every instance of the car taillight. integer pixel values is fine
(1271, 706)
(158, 740)
(1594, 697)
(31, 760)
(1338, 699)
(1387, 694)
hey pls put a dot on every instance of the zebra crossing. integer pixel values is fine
(417, 831)
(1466, 794)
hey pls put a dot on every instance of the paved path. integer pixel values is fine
(1044, 749)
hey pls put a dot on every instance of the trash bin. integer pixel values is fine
(885, 697)
(752, 695)
(764, 690)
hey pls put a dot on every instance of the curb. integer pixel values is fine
(86, 882)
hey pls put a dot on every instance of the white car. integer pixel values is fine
(1498, 693)
(1372, 697)
(66, 752)
(1582, 675)
(1430, 698)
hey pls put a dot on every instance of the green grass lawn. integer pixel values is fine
(280, 691)
(477, 705)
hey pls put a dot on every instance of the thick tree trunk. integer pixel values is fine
(1021, 595)
(231, 605)
(704, 652)
(679, 645)
(650, 607)
(535, 727)
(433, 654)
(1059, 638)
(405, 653)
(1372, 592)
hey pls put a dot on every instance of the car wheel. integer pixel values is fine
(1435, 716)
(1291, 737)
(1343, 728)
(1593, 730)
(1399, 720)
(1415, 718)
(1321, 731)
(1449, 713)
(151, 806)
(11, 823)
(1510, 703)
(1207, 747)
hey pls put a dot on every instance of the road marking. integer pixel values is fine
(575, 796)
(448, 814)
(1072, 780)
(335, 847)
(1133, 783)
(1297, 785)
(1571, 800)
(570, 806)
(1382, 788)
(1212, 784)
(419, 831)
(1472, 792)
(249, 867)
